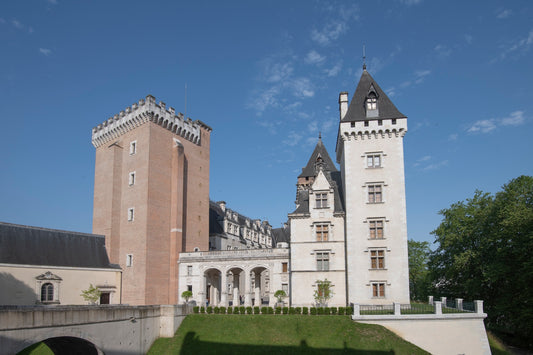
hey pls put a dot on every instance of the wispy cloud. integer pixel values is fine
(435, 166)
(337, 25)
(411, 2)
(442, 50)
(20, 26)
(453, 137)
(334, 71)
(292, 139)
(313, 57)
(426, 163)
(503, 13)
(418, 78)
(516, 47)
(45, 51)
(515, 118)
(468, 38)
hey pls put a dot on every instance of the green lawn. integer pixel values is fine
(291, 334)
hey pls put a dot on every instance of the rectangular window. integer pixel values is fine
(189, 288)
(380, 122)
(131, 179)
(375, 193)
(377, 259)
(189, 270)
(285, 287)
(284, 267)
(322, 261)
(366, 123)
(394, 121)
(373, 161)
(378, 289)
(129, 260)
(321, 200)
(376, 229)
(322, 231)
(133, 147)
(131, 214)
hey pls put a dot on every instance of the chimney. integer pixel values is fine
(222, 205)
(343, 104)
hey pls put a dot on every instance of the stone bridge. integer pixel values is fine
(109, 329)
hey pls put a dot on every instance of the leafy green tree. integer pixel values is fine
(280, 295)
(323, 292)
(186, 295)
(419, 283)
(91, 295)
(484, 252)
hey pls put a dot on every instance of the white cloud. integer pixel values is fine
(337, 25)
(420, 75)
(45, 51)
(503, 13)
(313, 57)
(2, 20)
(468, 38)
(53, 2)
(411, 2)
(312, 126)
(442, 50)
(292, 139)
(334, 71)
(302, 87)
(517, 47)
(453, 137)
(275, 72)
(515, 118)
(435, 166)
(19, 25)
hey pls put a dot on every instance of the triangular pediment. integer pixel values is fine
(321, 182)
(48, 276)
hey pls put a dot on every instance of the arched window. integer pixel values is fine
(47, 292)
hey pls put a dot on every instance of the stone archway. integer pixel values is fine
(66, 345)
(236, 290)
(213, 289)
(259, 286)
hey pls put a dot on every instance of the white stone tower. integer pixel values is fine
(370, 152)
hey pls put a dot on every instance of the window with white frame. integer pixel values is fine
(321, 199)
(375, 193)
(372, 102)
(131, 178)
(285, 287)
(376, 228)
(322, 260)
(373, 161)
(129, 260)
(377, 259)
(378, 289)
(189, 270)
(133, 147)
(47, 292)
(322, 232)
(131, 214)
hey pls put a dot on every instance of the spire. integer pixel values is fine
(364, 58)
(319, 158)
(319, 136)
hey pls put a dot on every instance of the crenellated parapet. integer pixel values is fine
(147, 110)
(373, 129)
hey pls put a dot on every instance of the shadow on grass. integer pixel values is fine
(193, 345)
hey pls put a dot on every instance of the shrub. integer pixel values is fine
(242, 310)
(320, 311)
(270, 310)
(313, 311)
(222, 310)
(209, 309)
(292, 310)
(285, 310)
(349, 311)
(248, 310)
(230, 310)
(278, 310)
(216, 310)
(280, 295)
(256, 310)
(333, 310)
(298, 310)
(186, 295)
(202, 309)
(341, 311)
(264, 310)
(305, 310)
(196, 309)
(327, 311)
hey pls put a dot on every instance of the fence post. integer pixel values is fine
(479, 306)
(356, 309)
(397, 309)
(438, 307)
(459, 303)
(430, 299)
(443, 300)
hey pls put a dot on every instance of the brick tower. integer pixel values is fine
(151, 196)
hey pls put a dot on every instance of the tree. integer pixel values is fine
(280, 295)
(419, 283)
(323, 292)
(186, 295)
(91, 295)
(484, 252)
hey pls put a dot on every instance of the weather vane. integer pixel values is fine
(364, 58)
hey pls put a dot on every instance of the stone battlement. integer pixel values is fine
(144, 111)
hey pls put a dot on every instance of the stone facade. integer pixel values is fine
(151, 195)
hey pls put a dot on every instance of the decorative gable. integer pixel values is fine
(48, 276)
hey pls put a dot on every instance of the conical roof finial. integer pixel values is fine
(320, 135)
(364, 58)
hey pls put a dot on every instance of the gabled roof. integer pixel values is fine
(282, 234)
(357, 111)
(25, 245)
(320, 151)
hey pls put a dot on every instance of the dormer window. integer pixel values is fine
(372, 105)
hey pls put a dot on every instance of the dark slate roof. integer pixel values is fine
(309, 169)
(282, 234)
(357, 111)
(25, 245)
(215, 216)
(302, 200)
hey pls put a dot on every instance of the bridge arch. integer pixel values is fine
(64, 344)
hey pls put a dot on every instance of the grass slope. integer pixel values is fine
(292, 334)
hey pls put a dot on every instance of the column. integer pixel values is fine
(201, 292)
(247, 291)
(223, 289)
(257, 301)
(236, 299)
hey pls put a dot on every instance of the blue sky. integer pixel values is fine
(266, 76)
